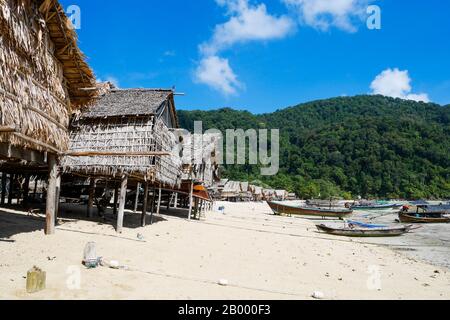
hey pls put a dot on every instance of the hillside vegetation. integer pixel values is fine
(369, 146)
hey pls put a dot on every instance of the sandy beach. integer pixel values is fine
(261, 256)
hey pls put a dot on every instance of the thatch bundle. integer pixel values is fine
(37, 53)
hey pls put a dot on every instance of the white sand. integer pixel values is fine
(260, 255)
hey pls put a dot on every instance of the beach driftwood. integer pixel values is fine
(36, 279)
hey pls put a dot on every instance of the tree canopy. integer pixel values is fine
(368, 146)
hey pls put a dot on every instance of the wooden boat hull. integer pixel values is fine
(278, 208)
(381, 207)
(406, 218)
(347, 232)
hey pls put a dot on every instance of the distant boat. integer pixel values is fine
(281, 208)
(376, 206)
(356, 229)
(411, 217)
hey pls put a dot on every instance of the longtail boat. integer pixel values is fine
(377, 207)
(281, 208)
(424, 214)
(355, 231)
(406, 217)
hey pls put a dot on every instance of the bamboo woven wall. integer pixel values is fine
(32, 95)
(124, 134)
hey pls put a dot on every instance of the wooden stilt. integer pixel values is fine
(159, 201)
(191, 194)
(153, 205)
(11, 189)
(122, 200)
(169, 197)
(57, 195)
(36, 182)
(26, 190)
(136, 200)
(116, 199)
(51, 195)
(196, 203)
(90, 205)
(4, 177)
(176, 200)
(145, 205)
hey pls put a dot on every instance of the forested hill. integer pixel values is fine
(369, 146)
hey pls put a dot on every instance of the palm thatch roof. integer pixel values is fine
(43, 75)
(126, 132)
(79, 76)
(127, 102)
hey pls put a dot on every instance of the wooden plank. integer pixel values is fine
(145, 205)
(50, 211)
(90, 205)
(7, 151)
(122, 200)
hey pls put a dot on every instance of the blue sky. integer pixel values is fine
(264, 55)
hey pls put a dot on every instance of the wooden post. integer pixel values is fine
(36, 182)
(4, 176)
(116, 198)
(159, 201)
(11, 189)
(136, 201)
(26, 190)
(196, 203)
(51, 195)
(176, 200)
(191, 194)
(122, 200)
(145, 205)
(153, 205)
(169, 201)
(90, 205)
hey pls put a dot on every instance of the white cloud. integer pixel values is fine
(217, 73)
(397, 84)
(323, 14)
(246, 23)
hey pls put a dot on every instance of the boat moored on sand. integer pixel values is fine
(356, 229)
(283, 208)
(424, 214)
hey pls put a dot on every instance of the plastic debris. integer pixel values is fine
(36, 279)
(223, 282)
(91, 260)
(318, 295)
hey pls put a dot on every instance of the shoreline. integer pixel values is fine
(260, 255)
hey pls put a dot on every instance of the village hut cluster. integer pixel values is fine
(235, 191)
(60, 128)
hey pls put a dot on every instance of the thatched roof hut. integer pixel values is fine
(43, 77)
(200, 158)
(127, 132)
(43, 80)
